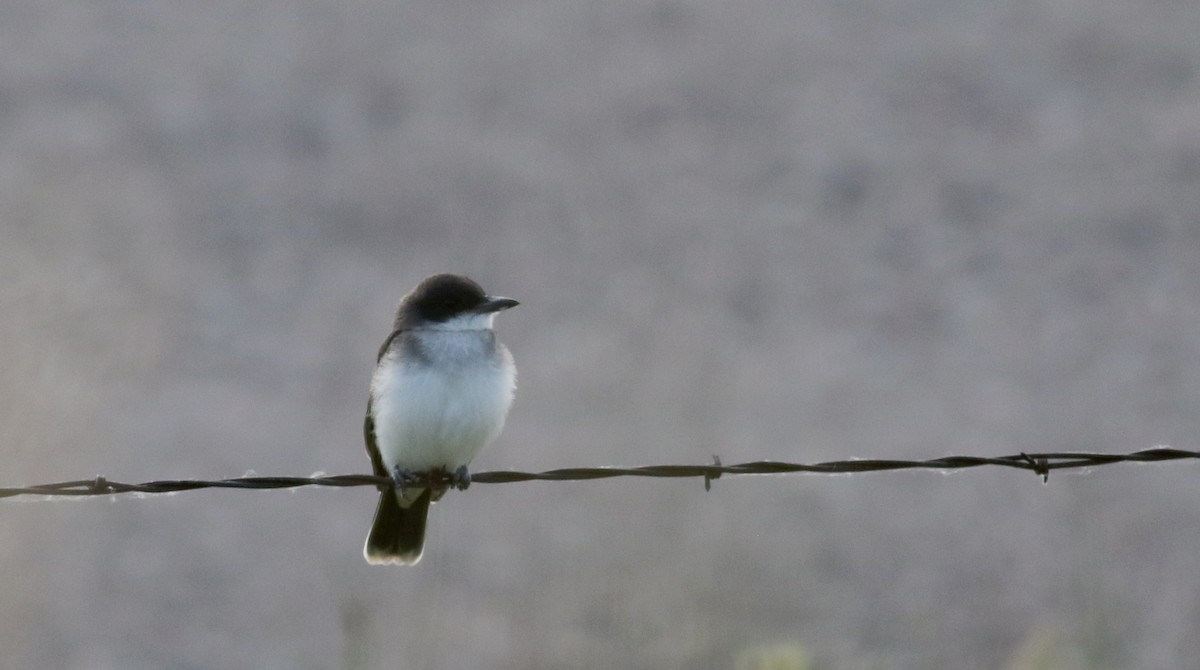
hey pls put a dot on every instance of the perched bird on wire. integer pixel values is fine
(440, 393)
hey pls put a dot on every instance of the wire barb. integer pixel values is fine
(710, 476)
(101, 485)
(1039, 464)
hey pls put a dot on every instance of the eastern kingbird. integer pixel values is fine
(440, 393)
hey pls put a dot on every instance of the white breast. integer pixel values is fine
(441, 413)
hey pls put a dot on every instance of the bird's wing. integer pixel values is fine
(369, 421)
(372, 448)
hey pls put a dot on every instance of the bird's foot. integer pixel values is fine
(404, 479)
(461, 478)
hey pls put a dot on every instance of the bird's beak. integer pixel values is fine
(496, 304)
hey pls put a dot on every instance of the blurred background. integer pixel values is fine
(765, 229)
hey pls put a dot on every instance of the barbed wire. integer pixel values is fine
(1039, 463)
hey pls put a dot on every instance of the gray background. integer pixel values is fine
(764, 229)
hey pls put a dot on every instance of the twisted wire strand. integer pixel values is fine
(1039, 463)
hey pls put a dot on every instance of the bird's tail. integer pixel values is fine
(398, 534)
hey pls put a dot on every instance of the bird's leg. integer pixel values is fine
(461, 478)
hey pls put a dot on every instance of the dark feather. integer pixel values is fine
(398, 534)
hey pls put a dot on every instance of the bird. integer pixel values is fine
(440, 393)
